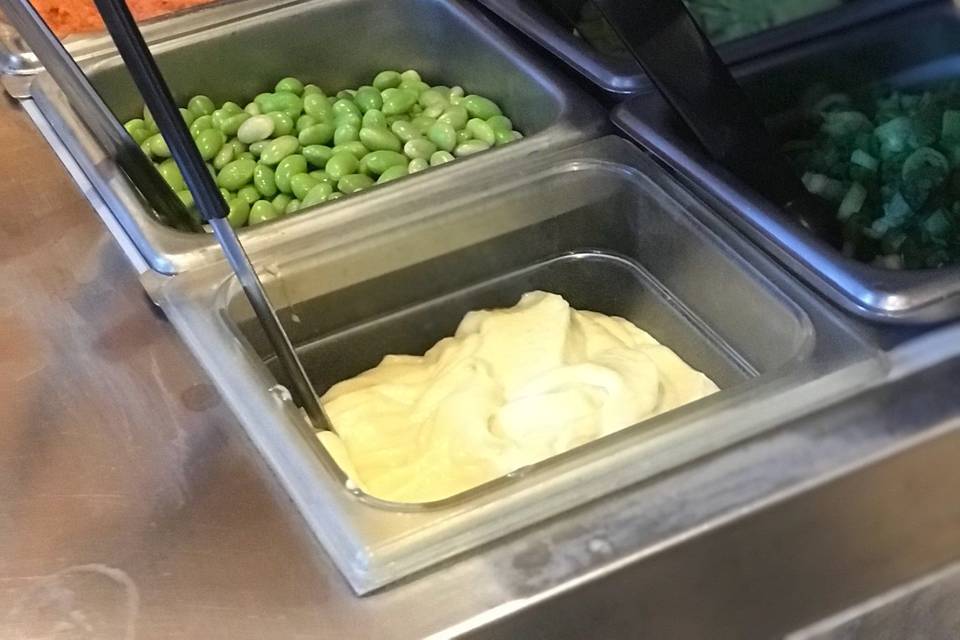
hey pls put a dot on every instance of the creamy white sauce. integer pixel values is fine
(512, 387)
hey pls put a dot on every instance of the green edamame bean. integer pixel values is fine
(262, 211)
(354, 182)
(209, 142)
(301, 183)
(346, 94)
(345, 133)
(289, 167)
(348, 120)
(379, 138)
(171, 174)
(227, 195)
(187, 199)
(342, 164)
(423, 123)
(148, 119)
(336, 195)
(231, 108)
(250, 193)
(309, 89)
(317, 106)
(345, 106)
(238, 213)
(410, 75)
(238, 147)
(305, 122)
(231, 125)
(226, 155)
(443, 135)
(317, 154)
(387, 80)
(280, 203)
(265, 181)
(456, 116)
(480, 130)
(256, 148)
(420, 148)
(480, 107)
(236, 174)
(374, 118)
(456, 100)
(393, 173)
(356, 148)
(292, 207)
(441, 157)
(201, 124)
(290, 85)
(506, 137)
(255, 129)
(456, 91)
(368, 98)
(417, 165)
(134, 123)
(415, 86)
(137, 130)
(432, 97)
(158, 146)
(500, 122)
(463, 135)
(187, 115)
(470, 147)
(322, 176)
(282, 123)
(289, 103)
(317, 134)
(278, 149)
(435, 111)
(253, 109)
(219, 116)
(316, 195)
(201, 105)
(379, 161)
(399, 102)
(405, 130)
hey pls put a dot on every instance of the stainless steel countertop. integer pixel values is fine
(131, 505)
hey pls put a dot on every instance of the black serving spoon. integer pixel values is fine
(125, 33)
(678, 58)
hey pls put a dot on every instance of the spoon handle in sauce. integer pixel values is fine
(210, 203)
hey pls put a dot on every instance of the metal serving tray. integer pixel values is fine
(619, 76)
(905, 50)
(602, 224)
(448, 41)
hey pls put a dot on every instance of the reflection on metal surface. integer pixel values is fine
(926, 608)
(618, 76)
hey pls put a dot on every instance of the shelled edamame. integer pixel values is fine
(297, 147)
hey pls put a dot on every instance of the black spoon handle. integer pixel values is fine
(677, 57)
(147, 77)
(156, 94)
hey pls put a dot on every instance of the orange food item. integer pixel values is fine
(80, 16)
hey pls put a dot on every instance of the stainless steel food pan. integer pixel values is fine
(901, 51)
(448, 41)
(620, 76)
(601, 224)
